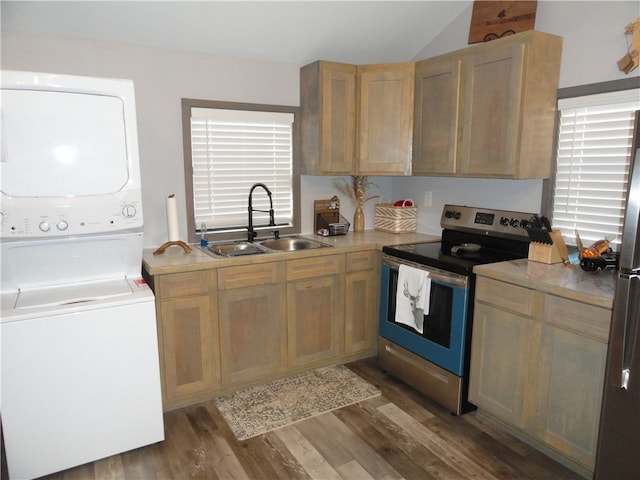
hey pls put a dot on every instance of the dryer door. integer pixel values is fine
(62, 144)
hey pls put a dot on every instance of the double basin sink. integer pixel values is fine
(284, 244)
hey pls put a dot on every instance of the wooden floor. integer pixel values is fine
(399, 434)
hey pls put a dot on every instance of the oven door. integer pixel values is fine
(443, 339)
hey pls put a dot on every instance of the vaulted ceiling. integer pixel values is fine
(296, 32)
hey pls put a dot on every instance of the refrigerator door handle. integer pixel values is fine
(624, 329)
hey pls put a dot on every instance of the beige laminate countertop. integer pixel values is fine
(565, 281)
(175, 260)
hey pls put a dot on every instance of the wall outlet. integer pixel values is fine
(428, 199)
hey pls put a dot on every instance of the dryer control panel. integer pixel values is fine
(58, 219)
(70, 162)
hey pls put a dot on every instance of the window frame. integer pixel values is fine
(214, 236)
(548, 184)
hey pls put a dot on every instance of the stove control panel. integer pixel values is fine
(486, 221)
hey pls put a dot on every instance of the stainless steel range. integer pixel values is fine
(426, 306)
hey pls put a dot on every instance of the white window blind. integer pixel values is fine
(231, 151)
(594, 149)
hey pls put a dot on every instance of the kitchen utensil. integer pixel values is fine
(545, 223)
(465, 248)
(539, 235)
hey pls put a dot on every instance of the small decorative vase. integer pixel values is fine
(358, 220)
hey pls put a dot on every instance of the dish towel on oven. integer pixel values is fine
(412, 297)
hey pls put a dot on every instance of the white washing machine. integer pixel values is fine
(80, 380)
(79, 365)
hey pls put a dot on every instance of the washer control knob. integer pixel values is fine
(129, 211)
(44, 226)
(514, 222)
(62, 225)
(504, 221)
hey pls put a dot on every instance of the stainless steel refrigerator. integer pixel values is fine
(618, 454)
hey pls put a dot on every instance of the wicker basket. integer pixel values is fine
(392, 219)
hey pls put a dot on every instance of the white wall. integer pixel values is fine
(594, 41)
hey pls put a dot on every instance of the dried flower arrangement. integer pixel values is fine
(356, 189)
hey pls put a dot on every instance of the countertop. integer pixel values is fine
(175, 260)
(565, 281)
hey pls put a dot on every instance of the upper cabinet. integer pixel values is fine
(328, 101)
(488, 110)
(485, 111)
(385, 119)
(435, 130)
(356, 119)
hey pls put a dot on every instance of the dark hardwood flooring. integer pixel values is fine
(399, 434)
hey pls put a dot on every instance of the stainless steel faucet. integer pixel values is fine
(251, 235)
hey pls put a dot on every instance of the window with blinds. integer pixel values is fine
(230, 151)
(594, 149)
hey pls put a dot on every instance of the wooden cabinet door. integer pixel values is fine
(315, 319)
(569, 393)
(361, 302)
(189, 343)
(435, 130)
(252, 332)
(328, 101)
(385, 119)
(500, 348)
(338, 117)
(490, 118)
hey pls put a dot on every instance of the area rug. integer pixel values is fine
(262, 408)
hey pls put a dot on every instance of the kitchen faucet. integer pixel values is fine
(251, 233)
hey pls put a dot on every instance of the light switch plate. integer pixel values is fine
(428, 198)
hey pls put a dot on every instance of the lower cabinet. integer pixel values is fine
(569, 393)
(252, 319)
(499, 374)
(361, 302)
(229, 327)
(315, 309)
(188, 335)
(537, 364)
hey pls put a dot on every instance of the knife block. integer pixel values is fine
(549, 253)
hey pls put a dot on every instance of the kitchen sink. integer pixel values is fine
(291, 244)
(284, 244)
(236, 249)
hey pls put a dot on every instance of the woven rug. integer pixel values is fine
(262, 408)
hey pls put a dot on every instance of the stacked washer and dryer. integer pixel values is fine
(79, 361)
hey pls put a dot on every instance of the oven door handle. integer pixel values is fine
(461, 281)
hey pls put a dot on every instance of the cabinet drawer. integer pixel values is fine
(581, 318)
(249, 275)
(361, 261)
(314, 267)
(181, 284)
(506, 295)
